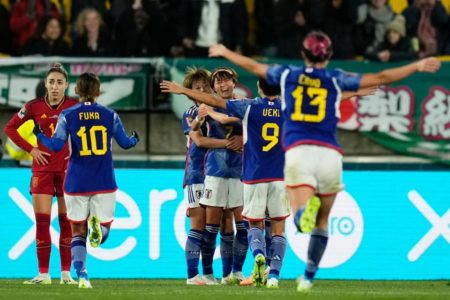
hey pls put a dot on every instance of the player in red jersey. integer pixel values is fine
(48, 171)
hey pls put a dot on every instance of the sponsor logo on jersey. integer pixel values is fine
(44, 116)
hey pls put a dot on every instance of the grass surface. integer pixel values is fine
(177, 290)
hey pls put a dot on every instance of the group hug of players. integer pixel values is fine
(290, 155)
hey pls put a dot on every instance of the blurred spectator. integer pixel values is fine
(205, 23)
(171, 19)
(102, 6)
(25, 17)
(93, 38)
(396, 46)
(138, 30)
(337, 18)
(5, 31)
(291, 23)
(372, 21)
(48, 40)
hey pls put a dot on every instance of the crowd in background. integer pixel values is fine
(379, 30)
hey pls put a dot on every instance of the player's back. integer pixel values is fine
(223, 162)
(91, 129)
(263, 152)
(311, 109)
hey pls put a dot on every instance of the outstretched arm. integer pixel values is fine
(121, 137)
(361, 92)
(426, 65)
(206, 142)
(174, 88)
(244, 62)
(219, 117)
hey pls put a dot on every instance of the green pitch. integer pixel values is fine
(177, 290)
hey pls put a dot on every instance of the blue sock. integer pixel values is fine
(257, 241)
(192, 251)
(297, 216)
(278, 251)
(226, 252)
(268, 238)
(105, 233)
(78, 248)
(209, 247)
(240, 246)
(316, 248)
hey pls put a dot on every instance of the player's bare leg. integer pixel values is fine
(65, 240)
(317, 244)
(42, 205)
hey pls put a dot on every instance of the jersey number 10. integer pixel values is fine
(93, 149)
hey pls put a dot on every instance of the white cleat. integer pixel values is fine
(66, 278)
(304, 285)
(236, 277)
(210, 280)
(41, 278)
(84, 283)
(196, 280)
(272, 283)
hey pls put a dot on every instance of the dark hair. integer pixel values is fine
(40, 90)
(223, 72)
(316, 47)
(268, 90)
(88, 86)
(58, 68)
(42, 26)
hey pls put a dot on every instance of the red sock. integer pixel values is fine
(65, 241)
(43, 241)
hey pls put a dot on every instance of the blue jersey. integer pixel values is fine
(223, 162)
(263, 156)
(194, 171)
(311, 103)
(89, 127)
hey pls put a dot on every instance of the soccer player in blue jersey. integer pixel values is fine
(90, 185)
(263, 161)
(197, 146)
(313, 161)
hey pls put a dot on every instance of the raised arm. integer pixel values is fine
(244, 62)
(361, 92)
(426, 65)
(174, 88)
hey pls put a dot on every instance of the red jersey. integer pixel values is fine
(43, 114)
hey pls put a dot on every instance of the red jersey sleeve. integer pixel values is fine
(14, 123)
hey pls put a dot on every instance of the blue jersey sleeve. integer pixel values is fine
(348, 81)
(238, 107)
(120, 136)
(273, 75)
(59, 138)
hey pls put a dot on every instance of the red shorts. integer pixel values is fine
(47, 183)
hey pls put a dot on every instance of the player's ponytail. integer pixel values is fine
(88, 87)
(58, 68)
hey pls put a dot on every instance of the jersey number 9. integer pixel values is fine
(271, 138)
(318, 98)
(93, 150)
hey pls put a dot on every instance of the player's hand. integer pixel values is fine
(235, 143)
(37, 129)
(170, 87)
(39, 156)
(135, 135)
(203, 110)
(217, 50)
(428, 65)
(367, 91)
